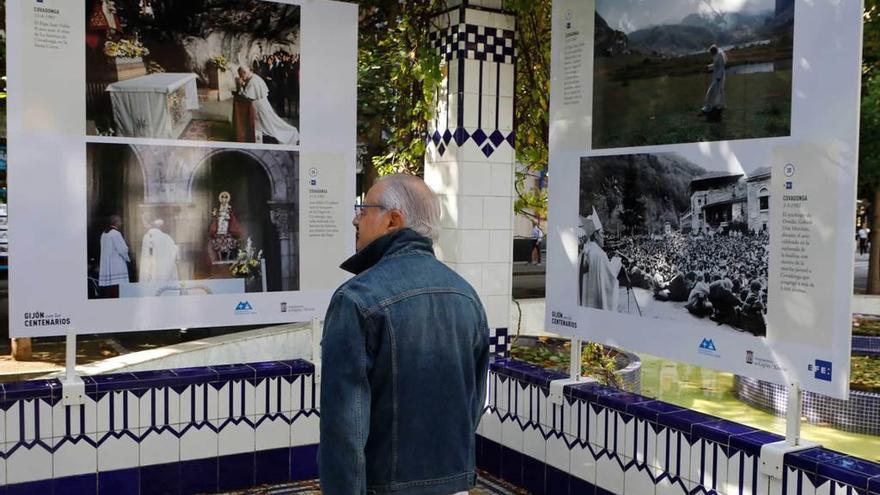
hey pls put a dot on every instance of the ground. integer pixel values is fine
(667, 310)
(485, 486)
(664, 110)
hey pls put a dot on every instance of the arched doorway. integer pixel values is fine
(249, 186)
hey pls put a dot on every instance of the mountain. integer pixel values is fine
(608, 42)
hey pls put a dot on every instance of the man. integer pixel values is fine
(863, 240)
(597, 274)
(405, 357)
(715, 101)
(158, 255)
(537, 237)
(254, 88)
(113, 267)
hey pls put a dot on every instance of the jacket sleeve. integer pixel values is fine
(345, 408)
(482, 367)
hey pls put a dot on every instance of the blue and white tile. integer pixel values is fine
(505, 113)
(118, 411)
(675, 451)
(492, 427)
(644, 441)
(504, 394)
(233, 399)
(29, 420)
(609, 474)
(512, 435)
(570, 416)
(805, 487)
(305, 430)
(670, 486)
(75, 421)
(158, 445)
(73, 458)
(271, 432)
(604, 419)
(738, 462)
(159, 407)
(558, 451)
(596, 418)
(119, 450)
(27, 463)
(271, 396)
(583, 463)
(301, 393)
(637, 479)
(198, 442)
(506, 86)
(534, 444)
(198, 404)
(708, 465)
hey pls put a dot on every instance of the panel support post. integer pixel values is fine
(773, 454)
(73, 389)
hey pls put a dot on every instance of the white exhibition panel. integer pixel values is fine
(302, 221)
(733, 183)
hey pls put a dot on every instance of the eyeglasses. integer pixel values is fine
(361, 208)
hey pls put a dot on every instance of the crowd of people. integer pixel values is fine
(280, 70)
(722, 277)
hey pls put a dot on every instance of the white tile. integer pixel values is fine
(502, 179)
(558, 453)
(496, 279)
(448, 249)
(534, 444)
(472, 273)
(198, 443)
(449, 118)
(118, 453)
(628, 440)
(453, 77)
(638, 480)
(33, 429)
(236, 439)
(158, 447)
(471, 83)
(497, 213)
(504, 21)
(445, 178)
(655, 456)
(512, 435)
(470, 213)
(28, 464)
(679, 453)
(609, 475)
(522, 403)
(497, 310)
(305, 430)
(118, 411)
(503, 154)
(272, 433)
(500, 246)
(474, 246)
(670, 487)
(471, 111)
(492, 429)
(478, 17)
(233, 399)
(159, 407)
(583, 464)
(506, 87)
(488, 111)
(505, 114)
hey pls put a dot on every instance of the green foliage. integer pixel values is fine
(869, 148)
(865, 373)
(399, 74)
(596, 361)
(531, 102)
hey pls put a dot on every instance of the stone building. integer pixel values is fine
(722, 200)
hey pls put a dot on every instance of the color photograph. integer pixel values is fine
(666, 236)
(203, 70)
(683, 72)
(176, 221)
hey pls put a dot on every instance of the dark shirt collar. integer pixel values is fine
(396, 242)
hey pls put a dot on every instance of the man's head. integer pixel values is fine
(244, 73)
(396, 202)
(713, 50)
(115, 221)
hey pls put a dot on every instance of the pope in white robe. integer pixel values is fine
(597, 274)
(715, 95)
(253, 87)
(158, 261)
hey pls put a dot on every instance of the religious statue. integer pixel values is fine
(225, 231)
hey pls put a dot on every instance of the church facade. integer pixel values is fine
(724, 201)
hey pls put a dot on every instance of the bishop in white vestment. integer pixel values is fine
(253, 87)
(113, 267)
(598, 274)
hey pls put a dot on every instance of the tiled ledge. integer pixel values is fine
(602, 440)
(189, 430)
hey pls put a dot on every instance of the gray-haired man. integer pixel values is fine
(405, 356)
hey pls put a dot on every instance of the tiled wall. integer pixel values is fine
(860, 414)
(604, 441)
(202, 430)
(195, 430)
(866, 345)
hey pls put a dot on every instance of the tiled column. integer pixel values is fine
(470, 157)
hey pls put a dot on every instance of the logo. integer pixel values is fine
(284, 307)
(244, 307)
(313, 176)
(750, 357)
(707, 348)
(558, 318)
(822, 370)
(789, 185)
(42, 319)
(788, 170)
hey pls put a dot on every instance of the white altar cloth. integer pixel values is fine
(141, 106)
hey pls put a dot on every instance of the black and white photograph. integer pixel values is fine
(183, 221)
(203, 70)
(691, 71)
(671, 237)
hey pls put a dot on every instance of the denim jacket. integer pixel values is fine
(405, 357)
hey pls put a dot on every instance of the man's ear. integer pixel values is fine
(396, 220)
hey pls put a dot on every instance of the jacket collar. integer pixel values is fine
(394, 243)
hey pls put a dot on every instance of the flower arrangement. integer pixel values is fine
(154, 68)
(247, 263)
(220, 63)
(125, 48)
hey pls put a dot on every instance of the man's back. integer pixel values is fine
(419, 369)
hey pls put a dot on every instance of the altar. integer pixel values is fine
(155, 106)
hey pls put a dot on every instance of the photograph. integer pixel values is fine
(665, 236)
(694, 71)
(199, 70)
(177, 221)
